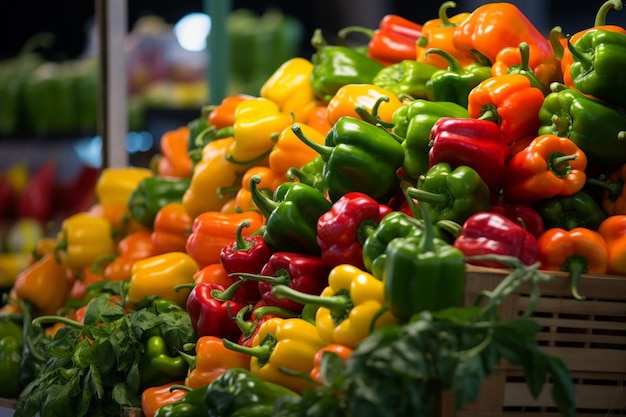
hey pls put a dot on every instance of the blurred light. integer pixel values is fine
(89, 151)
(192, 30)
(139, 142)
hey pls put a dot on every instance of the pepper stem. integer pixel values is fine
(38, 321)
(427, 242)
(343, 33)
(241, 244)
(228, 293)
(339, 305)
(556, 34)
(323, 150)
(426, 196)
(443, 14)
(282, 277)
(559, 165)
(604, 10)
(615, 189)
(265, 204)
(373, 117)
(246, 327)
(579, 56)
(254, 160)
(576, 265)
(454, 65)
(262, 352)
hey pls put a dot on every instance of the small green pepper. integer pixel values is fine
(152, 194)
(191, 405)
(569, 212)
(11, 343)
(311, 173)
(407, 77)
(157, 367)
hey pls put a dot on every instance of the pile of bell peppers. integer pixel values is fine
(351, 193)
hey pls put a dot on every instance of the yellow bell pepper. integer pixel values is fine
(258, 122)
(18, 176)
(83, 238)
(290, 151)
(270, 181)
(159, 275)
(290, 87)
(367, 95)
(115, 185)
(283, 344)
(11, 264)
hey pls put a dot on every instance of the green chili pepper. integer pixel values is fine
(422, 273)
(152, 194)
(291, 216)
(335, 66)
(358, 157)
(407, 77)
(157, 367)
(569, 212)
(311, 173)
(452, 194)
(412, 122)
(240, 393)
(191, 405)
(595, 127)
(11, 343)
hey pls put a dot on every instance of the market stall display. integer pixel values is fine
(330, 247)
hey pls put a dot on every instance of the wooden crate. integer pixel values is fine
(590, 335)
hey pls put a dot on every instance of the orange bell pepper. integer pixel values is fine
(613, 231)
(513, 103)
(212, 360)
(318, 120)
(614, 191)
(82, 280)
(153, 398)
(174, 160)
(171, 228)
(342, 351)
(577, 251)
(366, 95)
(213, 274)
(132, 248)
(223, 115)
(119, 217)
(439, 33)
(290, 151)
(213, 230)
(270, 180)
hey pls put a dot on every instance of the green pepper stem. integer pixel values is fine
(576, 265)
(343, 33)
(603, 11)
(427, 241)
(188, 285)
(426, 196)
(323, 150)
(262, 352)
(38, 321)
(559, 164)
(265, 204)
(615, 189)
(180, 387)
(190, 359)
(263, 311)
(556, 34)
(443, 14)
(372, 118)
(254, 160)
(96, 266)
(582, 58)
(454, 65)
(282, 277)
(228, 293)
(491, 113)
(317, 40)
(338, 305)
(450, 226)
(242, 244)
(365, 230)
(246, 327)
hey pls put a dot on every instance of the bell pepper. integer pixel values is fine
(493, 26)
(153, 193)
(439, 33)
(413, 122)
(336, 65)
(247, 254)
(171, 229)
(212, 308)
(358, 157)
(577, 251)
(11, 264)
(119, 217)
(159, 275)
(223, 115)
(318, 119)
(213, 274)
(613, 231)
(289, 151)
(613, 199)
(291, 216)
(83, 238)
(368, 97)
(422, 273)
(549, 166)
(470, 142)
(392, 42)
(283, 344)
(11, 345)
(158, 365)
(301, 272)
(568, 212)
(598, 64)
(344, 352)
(270, 180)
(311, 173)
(37, 197)
(153, 398)
(82, 290)
(525, 215)
(190, 405)
(523, 68)
(212, 359)
(260, 314)
(567, 112)
(452, 194)
(290, 87)
(174, 160)
(212, 230)
(512, 101)
(116, 184)
(239, 392)
(132, 248)
(456, 81)
(342, 231)
(350, 307)
(406, 78)
(492, 233)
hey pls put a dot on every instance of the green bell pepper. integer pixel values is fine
(568, 212)
(358, 157)
(452, 194)
(11, 343)
(406, 78)
(291, 216)
(191, 405)
(336, 65)
(412, 122)
(422, 273)
(599, 67)
(595, 127)
(156, 366)
(454, 83)
(240, 393)
(152, 194)
(311, 173)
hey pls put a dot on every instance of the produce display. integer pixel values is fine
(304, 251)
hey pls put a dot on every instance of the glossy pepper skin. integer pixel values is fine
(259, 315)
(484, 233)
(191, 405)
(282, 343)
(116, 184)
(342, 231)
(152, 194)
(174, 160)
(153, 398)
(412, 123)
(290, 152)
(239, 392)
(549, 166)
(613, 199)
(525, 215)
(370, 102)
(613, 231)
(336, 65)
(359, 157)
(11, 345)
(569, 212)
(158, 366)
(130, 249)
(591, 124)
(171, 229)
(407, 77)
(452, 194)
(270, 180)
(291, 216)
(311, 173)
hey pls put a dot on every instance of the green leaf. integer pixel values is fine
(468, 380)
(102, 309)
(331, 367)
(563, 390)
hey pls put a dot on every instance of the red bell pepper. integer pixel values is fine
(302, 272)
(260, 315)
(486, 233)
(476, 143)
(247, 254)
(36, 199)
(549, 166)
(342, 230)
(212, 307)
(525, 215)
